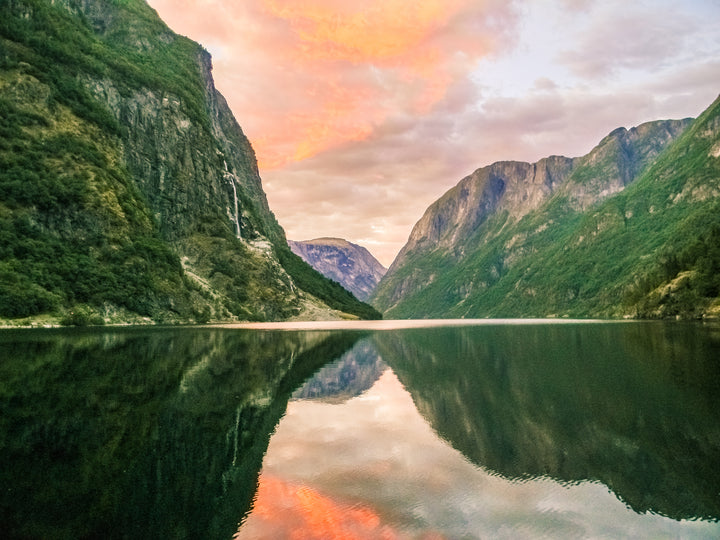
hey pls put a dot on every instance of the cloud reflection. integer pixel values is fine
(295, 511)
(376, 453)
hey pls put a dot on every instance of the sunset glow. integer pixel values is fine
(374, 31)
(359, 57)
(400, 100)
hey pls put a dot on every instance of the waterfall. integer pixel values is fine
(237, 215)
(230, 177)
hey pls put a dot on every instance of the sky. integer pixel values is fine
(362, 114)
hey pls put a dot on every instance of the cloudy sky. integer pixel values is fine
(363, 113)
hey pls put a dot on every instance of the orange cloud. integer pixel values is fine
(339, 115)
(379, 31)
(360, 62)
(307, 77)
(363, 113)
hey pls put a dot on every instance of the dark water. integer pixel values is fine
(491, 431)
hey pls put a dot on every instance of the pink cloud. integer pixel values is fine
(364, 113)
(306, 77)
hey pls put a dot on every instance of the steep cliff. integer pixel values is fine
(559, 237)
(128, 189)
(352, 266)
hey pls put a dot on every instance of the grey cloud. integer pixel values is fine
(637, 37)
(374, 190)
(391, 178)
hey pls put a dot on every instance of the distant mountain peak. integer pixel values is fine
(351, 265)
(328, 241)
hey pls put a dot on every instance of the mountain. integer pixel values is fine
(352, 266)
(128, 191)
(630, 229)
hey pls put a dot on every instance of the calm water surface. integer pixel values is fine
(495, 430)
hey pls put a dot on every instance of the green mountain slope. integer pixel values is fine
(631, 229)
(127, 188)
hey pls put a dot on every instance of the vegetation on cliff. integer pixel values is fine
(127, 188)
(632, 230)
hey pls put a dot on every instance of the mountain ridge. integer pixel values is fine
(496, 243)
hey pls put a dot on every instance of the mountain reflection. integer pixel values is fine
(144, 433)
(633, 406)
(354, 373)
(161, 433)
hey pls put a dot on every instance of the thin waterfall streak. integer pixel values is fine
(237, 215)
(231, 178)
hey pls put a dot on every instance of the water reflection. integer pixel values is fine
(594, 430)
(633, 406)
(142, 434)
(350, 376)
(542, 422)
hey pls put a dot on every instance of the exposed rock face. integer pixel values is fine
(506, 185)
(352, 266)
(493, 219)
(186, 174)
(519, 188)
(619, 159)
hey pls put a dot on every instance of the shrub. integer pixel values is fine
(81, 316)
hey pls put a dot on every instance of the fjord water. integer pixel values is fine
(587, 430)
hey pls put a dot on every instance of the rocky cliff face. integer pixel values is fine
(153, 169)
(352, 266)
(480, 250)
(506, 186)
(618, 160)
(516, 188)
(188, 173)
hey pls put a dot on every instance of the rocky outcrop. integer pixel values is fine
(518, 188)
(352, 266)
(618, 160)
(511, 186)
(188, 174)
